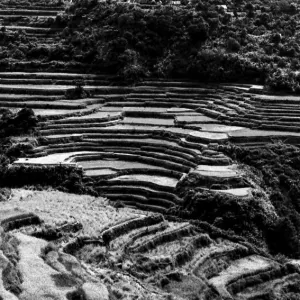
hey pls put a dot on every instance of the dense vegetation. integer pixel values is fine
(22, 3)
(279, 166)
(63, 178)
(16, 124)
(13, 124)
(243, 217)
(15, 141)
(257, 41)
(276, 169)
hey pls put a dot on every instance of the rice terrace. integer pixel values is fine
(149, 149)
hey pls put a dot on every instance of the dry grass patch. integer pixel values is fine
(56, 207)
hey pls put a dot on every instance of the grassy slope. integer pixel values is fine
(55, 208)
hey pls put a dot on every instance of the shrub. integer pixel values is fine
(284, 81)
(4, 194)
(78, 92)
(233, 45)
(279, 167)
(22, 122)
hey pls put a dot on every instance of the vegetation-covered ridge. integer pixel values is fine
(86, 249)
(256, 42)
(278, 165)
(137, 147)
(183, 214)
(18, 135)
(15, 125)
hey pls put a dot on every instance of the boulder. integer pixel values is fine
(3, 260)
(94, 291)
(71, 264)
(52, 259)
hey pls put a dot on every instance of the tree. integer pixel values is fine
(199, 31)
(233, 45)
(276, 38)
(283, 238)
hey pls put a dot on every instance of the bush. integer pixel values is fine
(5, 193)
(244, 217)
(22, 122)
(78, 92)
(65, 178)
(284, 238)
(284, 81)
(279, 167)
(233, 45)
(166, 41)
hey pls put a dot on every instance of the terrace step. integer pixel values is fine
(246, 267)
(137, 190)
(194, 259)
(158, 145)
(192, 136)
(34, 30)
(49, 81)
(106, 173)
(27, 12)
(171, 84)
(38, 89)
(13, 6)
(101, 123)
(163, 238)
(158, 182)
(82, 120)
(123, 154)
(268, 288)
(149, 207)
(43, 105)
(21, 98)
(145, 158)
(179, 152)
(129, 152)
(51, 75)
(137, 200)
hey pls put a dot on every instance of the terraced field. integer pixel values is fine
(29, 18)
(144, 146)
(123, 137)
(127, 254)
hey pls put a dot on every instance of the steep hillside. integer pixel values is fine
(184, 189)
(66, 246)
(208, 41)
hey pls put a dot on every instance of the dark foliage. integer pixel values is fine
(64, 178)
(14, 124)
(78, 92)
(236, 216)
(227, 212)
(245, 42)
(279, 165)
(197, 40)
(22, 122)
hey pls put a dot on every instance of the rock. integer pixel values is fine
(208, 152)
(52, 259)
(127, 265)
(71, 264)
(15, 218)
(3, 260)
(94, 291)
(40, 281)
